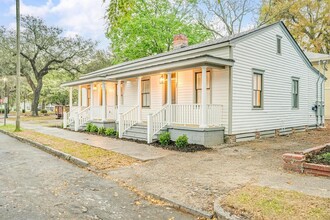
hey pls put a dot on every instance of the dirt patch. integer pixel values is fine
(255, 202)
(322, 157)
(100, 158)
(197, 179)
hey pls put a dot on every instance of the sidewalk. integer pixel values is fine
(138, 151)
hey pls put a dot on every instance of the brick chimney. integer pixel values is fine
(180, 41)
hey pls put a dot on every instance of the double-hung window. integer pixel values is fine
(257, 98)
(145, 93)
(295, 93)
(278, 44)
(198, 86)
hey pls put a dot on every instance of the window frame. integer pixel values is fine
(293, 80)
(262, 93)
(145, 93)
(278, 44)
(207, 88)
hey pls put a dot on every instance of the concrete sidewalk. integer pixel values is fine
(139, 151)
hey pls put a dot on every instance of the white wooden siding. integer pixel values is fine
(259, 51)
(185, 87)
(220, 92)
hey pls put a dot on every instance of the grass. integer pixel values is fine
(100, 158)
(265, 203)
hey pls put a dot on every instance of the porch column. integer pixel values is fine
(104, 100)
(70, 98)
(79, 98)
(169, 88)
(139, 97)
(91, 104)
(203, 123)
(119, 99)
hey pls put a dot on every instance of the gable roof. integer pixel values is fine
(207, 44)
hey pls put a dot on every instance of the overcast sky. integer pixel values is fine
(82, 17)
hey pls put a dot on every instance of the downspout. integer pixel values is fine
(322, 90)
(317, 97)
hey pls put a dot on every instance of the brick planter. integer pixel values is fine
(297, 162)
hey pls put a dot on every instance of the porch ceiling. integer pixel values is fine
(191, 62)
(84, 81)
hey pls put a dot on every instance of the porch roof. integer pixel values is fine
(189, 62)
(84, 81)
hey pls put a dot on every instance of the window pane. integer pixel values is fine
(199, 96)
(198, 80)
(278, 45)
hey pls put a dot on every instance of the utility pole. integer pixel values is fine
(18, 67)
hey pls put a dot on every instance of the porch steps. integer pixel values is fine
(138, 132)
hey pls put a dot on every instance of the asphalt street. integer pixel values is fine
(36, 185)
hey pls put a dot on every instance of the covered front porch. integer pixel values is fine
(195, 97)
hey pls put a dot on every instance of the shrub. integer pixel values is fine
(23, 111)
(182, 141)
(324, 157)
(101, 130)
(110, 132)
(43, 111)
(88, 127)
(94, 129)
(165, 138)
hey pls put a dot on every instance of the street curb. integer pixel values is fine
(57, 153)
(181, 206)
(220, 213)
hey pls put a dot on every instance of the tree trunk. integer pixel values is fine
(36, 97)
(43, 105)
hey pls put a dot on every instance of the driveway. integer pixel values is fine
(36, 185)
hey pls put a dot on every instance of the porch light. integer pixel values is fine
(94, 88)
(161, 79)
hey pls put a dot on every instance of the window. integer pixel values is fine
(145, 92)
(198, 86)
(278, 45)
(295, 93)
(257, 90)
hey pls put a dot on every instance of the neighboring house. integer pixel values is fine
(322, 63)
(254, 84)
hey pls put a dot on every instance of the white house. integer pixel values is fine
(250, 85)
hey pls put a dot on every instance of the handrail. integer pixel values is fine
(127, 120)
(158, 121)
(81, 118)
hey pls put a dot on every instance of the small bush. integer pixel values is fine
(88, 127)
(101, 130)
(182, 141)
(110, 132)
(43, 111)
(165, 138)
(94, 129)
(324, 157)
(23, 111)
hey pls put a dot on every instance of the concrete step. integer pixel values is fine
(136, 134)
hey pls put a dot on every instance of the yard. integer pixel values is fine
(197, 179)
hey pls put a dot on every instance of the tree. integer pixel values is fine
(307, 20)
(147, 27)
(225, 17)
(44, 49)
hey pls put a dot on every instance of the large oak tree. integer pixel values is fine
(44, 49)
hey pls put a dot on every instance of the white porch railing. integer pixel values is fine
(68, 117)
(184, 114)
(112, 112)
(96, 112)
(81, 118)
(127, 120)
(158, 121)
(214, 115)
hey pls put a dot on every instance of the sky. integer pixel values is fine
(82, 17)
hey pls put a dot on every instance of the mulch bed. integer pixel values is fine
(317, 157)
(188, 148)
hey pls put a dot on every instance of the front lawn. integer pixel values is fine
(256, 202)
(100, 158)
